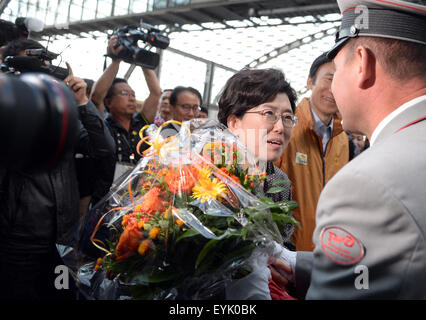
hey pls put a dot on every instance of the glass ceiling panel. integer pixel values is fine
(78, 10)
(234, 48)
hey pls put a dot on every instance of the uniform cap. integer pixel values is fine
(395, 19)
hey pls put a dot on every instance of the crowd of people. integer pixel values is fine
(353, 153)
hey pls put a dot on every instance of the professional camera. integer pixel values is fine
(34, 61)
(129, 36)
(19, 30)
(38, 121)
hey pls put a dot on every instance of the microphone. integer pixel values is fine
(34, 24)
(26, 25)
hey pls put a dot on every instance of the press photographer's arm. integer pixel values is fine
(95, 139)
(101, 87)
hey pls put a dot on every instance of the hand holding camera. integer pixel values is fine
(114, 48)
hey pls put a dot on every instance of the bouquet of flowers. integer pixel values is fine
(182, 224)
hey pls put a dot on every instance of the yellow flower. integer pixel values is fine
(204, 173)
(166, 213)
(140, 224)
(153, 233)
(207, 189)
(179, 222)
(145, 246)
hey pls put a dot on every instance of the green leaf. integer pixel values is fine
(187, 234)
(267, 200)
(157, 278)
(204, 252)
(285, 218)
(275, 190)
(279, 181)
(287, 205)
(110, 244)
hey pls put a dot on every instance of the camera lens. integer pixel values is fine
(38, 121)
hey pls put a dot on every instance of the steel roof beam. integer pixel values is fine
(291, 46)
(3, 5)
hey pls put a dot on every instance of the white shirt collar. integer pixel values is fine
(393, 115)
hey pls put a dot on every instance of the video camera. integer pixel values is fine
(129, 36)
(35, 61)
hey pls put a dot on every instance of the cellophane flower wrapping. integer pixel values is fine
(181, 225)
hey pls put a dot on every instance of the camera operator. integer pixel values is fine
(21, 29)
(40, 207)
(17, 48)
(123, 120)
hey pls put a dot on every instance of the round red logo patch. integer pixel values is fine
(340, 246)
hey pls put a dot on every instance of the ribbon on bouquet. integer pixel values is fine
(159, 147)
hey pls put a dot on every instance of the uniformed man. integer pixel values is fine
(371, 223)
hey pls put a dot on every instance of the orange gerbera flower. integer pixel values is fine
(181, 179)
(152, 202)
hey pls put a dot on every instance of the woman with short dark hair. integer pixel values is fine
(258, 107)
(251, 105)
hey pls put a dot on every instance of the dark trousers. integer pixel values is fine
(25, 275)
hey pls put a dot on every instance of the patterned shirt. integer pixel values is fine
(127, 141)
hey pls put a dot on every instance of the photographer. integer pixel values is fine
(123, 120)
(39, 207)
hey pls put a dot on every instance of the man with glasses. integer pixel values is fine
(123, 120)
(120, 100)
(318, 148)
(185, 104)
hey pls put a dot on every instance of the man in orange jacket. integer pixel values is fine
(318, 148)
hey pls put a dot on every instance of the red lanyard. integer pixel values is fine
(410, 124)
